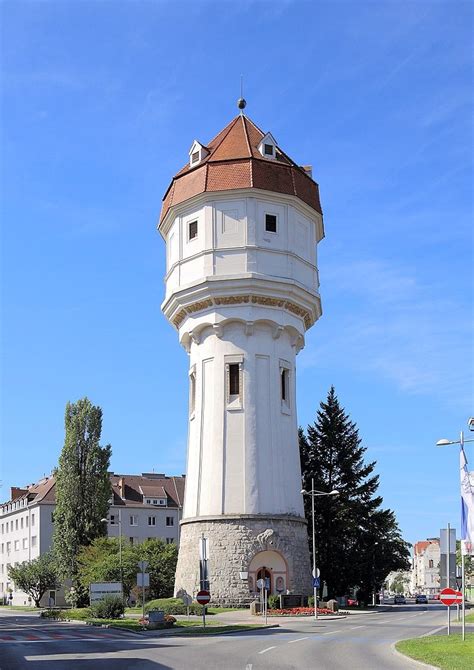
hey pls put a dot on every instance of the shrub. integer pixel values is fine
(173, 606)
(169, 618)
(110, 607)
(273, 602)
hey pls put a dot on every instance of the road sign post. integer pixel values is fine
(450, 597)
(203, 597)
(143, 566)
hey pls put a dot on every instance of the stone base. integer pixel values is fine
(232, 543)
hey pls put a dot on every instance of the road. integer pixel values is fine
(358, 642)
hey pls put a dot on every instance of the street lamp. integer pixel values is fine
(120, 542)
(443, 443)
(313, 493)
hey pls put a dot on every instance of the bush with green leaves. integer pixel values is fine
(110, 607)
(273, 602)
(173, 606)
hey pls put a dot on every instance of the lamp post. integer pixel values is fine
(120, 543)
(443, 443)
(313, 493)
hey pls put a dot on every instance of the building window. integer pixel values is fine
(32, 519)
(133, 520)
(17, 545)
(192, 230)
(16, 524)
(268, 149)
(234, 379)
(2, 548)
(26, 521)
(284, 384)
(21, 522)
(152, 520)
(170, 520)
(170, 540)
(195, 157)
(52, 517)
(9, 546)
(25, 543)
(270, 223)
(192, 393)
(113, 520)
(33, 541)
(430, 564)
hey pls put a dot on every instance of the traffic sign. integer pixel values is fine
(318, 573)
(142, 565)
(316, 583)
(450, 597)
(143, 579)
(203, 597)
(261, 583)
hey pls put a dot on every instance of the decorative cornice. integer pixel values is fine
(201, 305)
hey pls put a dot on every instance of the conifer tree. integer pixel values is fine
(357, 542)
(82, 485)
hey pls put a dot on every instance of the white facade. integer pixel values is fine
(241, 296)
(426, 567)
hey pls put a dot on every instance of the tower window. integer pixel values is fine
(284, 385)
(234, 379)
(270, 223)
(192, 393)
(193, 230)
(195, 157)
(268, 149)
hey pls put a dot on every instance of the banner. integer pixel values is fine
(467, 505)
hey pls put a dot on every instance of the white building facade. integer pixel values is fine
(426, 567)
(141, 507)
(241, 224)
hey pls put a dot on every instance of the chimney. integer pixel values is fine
(16, 492)
(121, 486)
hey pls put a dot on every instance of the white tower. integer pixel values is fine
(241, 222)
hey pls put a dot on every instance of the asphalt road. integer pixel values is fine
(359, 642)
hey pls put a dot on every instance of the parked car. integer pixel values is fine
(435, 596)
(399, 600)
(421, 599)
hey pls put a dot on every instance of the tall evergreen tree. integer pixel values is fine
(82, 485)
(357, 542)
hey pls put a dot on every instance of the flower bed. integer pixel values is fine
(299, 611)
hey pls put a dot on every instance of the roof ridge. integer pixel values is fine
(226, 131)
(247, 136)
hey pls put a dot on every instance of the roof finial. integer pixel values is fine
(241, 102)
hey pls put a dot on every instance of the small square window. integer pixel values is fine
(268, 149)
(270, 223)
(193, 230)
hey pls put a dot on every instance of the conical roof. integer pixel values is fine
(233, 161)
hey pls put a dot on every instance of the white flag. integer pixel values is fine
(467, 505)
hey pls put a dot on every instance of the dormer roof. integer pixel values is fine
(235, 161)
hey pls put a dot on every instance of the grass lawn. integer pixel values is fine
(180, 627)
(447, 653)
(470, 618)
(127, 624)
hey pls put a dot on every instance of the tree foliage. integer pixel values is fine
(100, 561)
(357, 542)
(82, 485)
(35, 577)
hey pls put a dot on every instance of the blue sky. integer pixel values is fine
(101, 102)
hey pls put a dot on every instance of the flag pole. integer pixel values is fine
(463, 590)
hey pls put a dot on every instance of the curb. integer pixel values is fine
(176, 632)
(420, 664)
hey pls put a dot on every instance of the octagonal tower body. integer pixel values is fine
(241, 223)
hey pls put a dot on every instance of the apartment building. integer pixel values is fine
(141, 507)
(425, 572)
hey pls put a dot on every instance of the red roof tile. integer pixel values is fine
(235, 162)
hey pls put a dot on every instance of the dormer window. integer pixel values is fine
(197, 153)
(268, 146)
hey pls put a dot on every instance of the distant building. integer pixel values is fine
(141, 506)
(425, 573)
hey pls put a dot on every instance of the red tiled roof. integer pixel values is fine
(420, 547)
(235, 162)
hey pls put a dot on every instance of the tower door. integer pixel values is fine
(265, 574)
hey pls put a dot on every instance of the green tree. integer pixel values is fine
(357, 542)
(82, 485)
(100, 561)
(35, 577)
